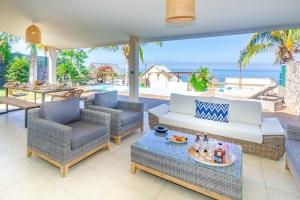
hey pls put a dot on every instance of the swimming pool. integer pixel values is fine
(108, 87)
(102, 87)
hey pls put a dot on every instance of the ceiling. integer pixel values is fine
(90, 23)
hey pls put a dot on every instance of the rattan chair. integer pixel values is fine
(126, 116)
(65, 144)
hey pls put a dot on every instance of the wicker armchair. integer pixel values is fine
(126, 116)
(64, 145)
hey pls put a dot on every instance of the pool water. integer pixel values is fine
(103, 87)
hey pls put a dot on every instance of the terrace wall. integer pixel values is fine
(292, 89)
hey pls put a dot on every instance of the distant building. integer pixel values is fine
(161, 77)
(93, 68)
(104, 73)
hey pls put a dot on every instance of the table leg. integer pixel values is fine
(34, 97)
(26, 117)
(6, 94)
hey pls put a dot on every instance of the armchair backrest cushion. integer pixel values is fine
(107, 99)
(241, 111)
(62, 112)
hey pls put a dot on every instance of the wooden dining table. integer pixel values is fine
(42, 91)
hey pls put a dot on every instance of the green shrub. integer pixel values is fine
(200, 82)
(71, 66)
(18, 70)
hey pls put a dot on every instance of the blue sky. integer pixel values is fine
(224, 49)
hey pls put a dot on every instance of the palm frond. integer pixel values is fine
(250, 51)
(289, 42)
(294, 39)
(141, 53)
(157, 43)
(266, 37)
(113, 48)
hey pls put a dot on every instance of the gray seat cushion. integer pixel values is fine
(62, 112)
(106, 99)
(130, 116)
(293, 151)
(83, 132)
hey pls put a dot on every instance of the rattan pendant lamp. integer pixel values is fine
(33, 34)
(180, 11)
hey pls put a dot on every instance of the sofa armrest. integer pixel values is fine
(95, 117)
(34, 114)
(133, 106)
(88, 102)
(160, 110)
(115, 115)
(50, 138)
(271, 126)
(293, 132)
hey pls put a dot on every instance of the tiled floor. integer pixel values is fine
(106, 174)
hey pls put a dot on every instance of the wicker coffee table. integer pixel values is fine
(171, 161)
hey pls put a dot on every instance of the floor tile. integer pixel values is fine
(31, 188)
(60, 194)
(16, 172)
(253, 173)
(274, 194)
(144, 182)
(252, 160)
(176, 192)
(280, 180)
(121, 191)
(253, 191)
(88, 185)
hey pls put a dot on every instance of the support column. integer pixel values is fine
(52, 62)
(134, 69)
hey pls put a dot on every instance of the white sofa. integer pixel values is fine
(245, 123)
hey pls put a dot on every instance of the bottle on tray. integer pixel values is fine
(219, 153)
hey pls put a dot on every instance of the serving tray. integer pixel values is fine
(205, 158)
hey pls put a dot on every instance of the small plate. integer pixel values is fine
(173, 139)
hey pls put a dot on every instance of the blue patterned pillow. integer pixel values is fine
(212, 111)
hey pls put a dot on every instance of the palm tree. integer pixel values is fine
(126, 53)
(201, 82)
(285, 44)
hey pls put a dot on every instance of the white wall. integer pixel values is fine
(162, 82)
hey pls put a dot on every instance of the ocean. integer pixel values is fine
(223, 70)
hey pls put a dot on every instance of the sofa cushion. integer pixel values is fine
(241, 111)
(84, 132)
(62, 112)
(293, 154)
(107, 99)
(271, 126)
(185, 104)
(211, 111)
(234, 130)
(129, 116)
